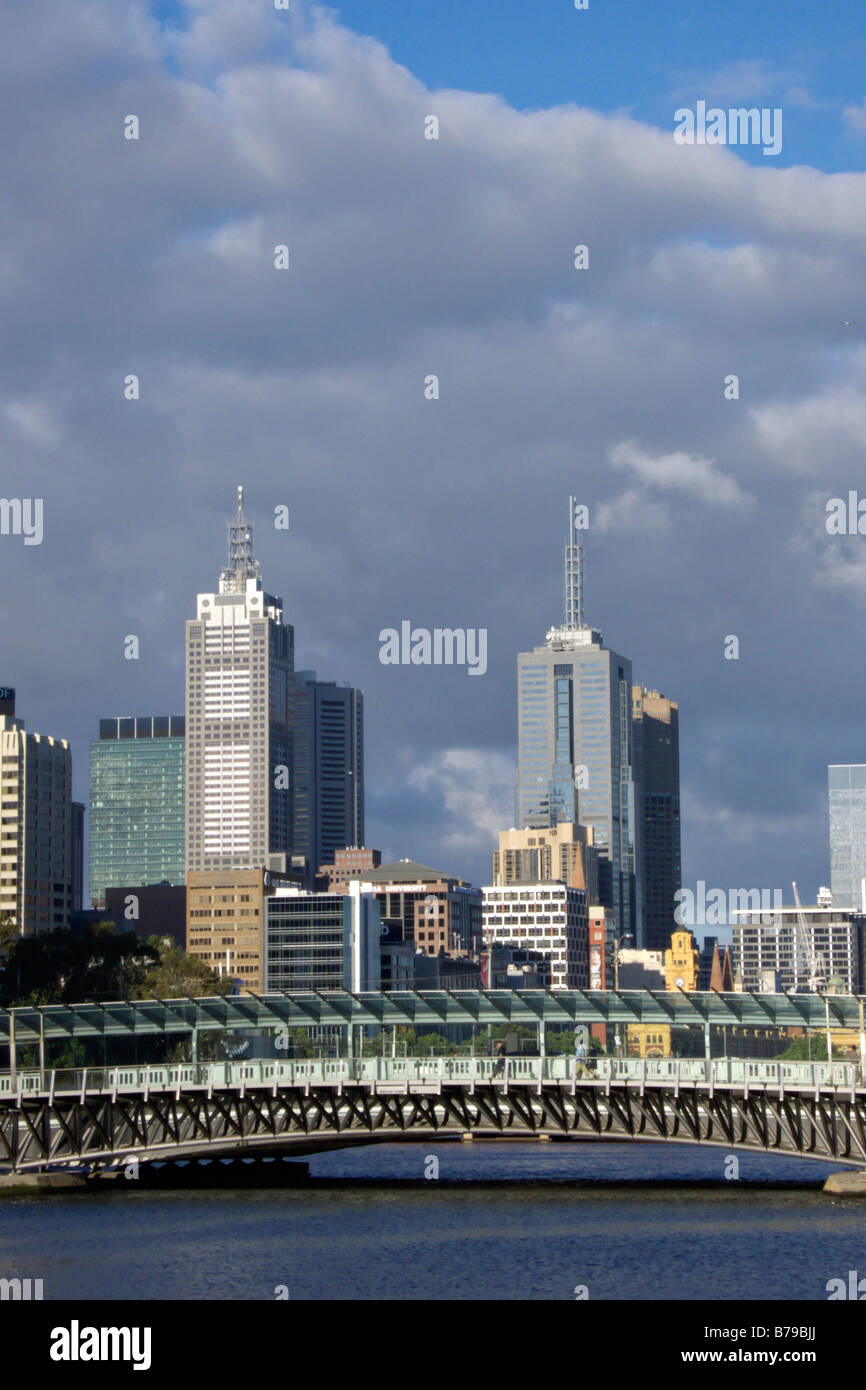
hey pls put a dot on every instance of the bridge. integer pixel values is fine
(102, 1117)
(127, 1020)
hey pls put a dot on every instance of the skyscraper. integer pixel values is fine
(847, 792)
(656, 737)
(136, 803)
(574, 730)
(36, 850)
(239, 701)
(575, 761)
(329, 770)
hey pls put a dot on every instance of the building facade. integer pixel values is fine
(136, 803)
(547, 921)
(773, 946)
(575, 744)
(656, 740)
(435, 910)
(225, 922)
(847, 795)
(352, 862)
(541, 855)
(36, 825)
(239, 703)
(682, 962)
(329, 770)
(322, 941)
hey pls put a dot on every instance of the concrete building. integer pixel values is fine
(656, 739)
(847, 796)
(547, 920)
(435, 910)
(771, 944)
(225, 921)
(329, 770)
(639, 969)
(323, 941)
(349, 863)
(239, 709)
(37, 824)
(136, 803)
(575, 747)
(542, 855)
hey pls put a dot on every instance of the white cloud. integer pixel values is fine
(679, 471)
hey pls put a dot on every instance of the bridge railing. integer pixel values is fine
(409, 1071)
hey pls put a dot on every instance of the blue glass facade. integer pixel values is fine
(136, 803)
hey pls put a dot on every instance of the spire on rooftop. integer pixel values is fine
(242, 564)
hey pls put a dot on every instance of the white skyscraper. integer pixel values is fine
(239, 686)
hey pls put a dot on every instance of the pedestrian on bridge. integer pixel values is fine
(580, 1056)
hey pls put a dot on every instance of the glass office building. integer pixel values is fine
(136, 803)
(575, 747)
(847, 791)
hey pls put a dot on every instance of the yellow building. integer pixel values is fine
(649, 1039)
(681, 962)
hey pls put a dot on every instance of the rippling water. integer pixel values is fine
(503, 1221)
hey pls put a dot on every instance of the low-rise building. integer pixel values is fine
(225, 921)
(830, 952)
(437, 911)
(322, 941)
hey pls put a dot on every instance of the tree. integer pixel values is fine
(171, 973)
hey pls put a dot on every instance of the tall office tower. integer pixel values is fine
(36, 824)
(329, 770)
(239, 668)
(136, 803)
(574, 714)
(656, 739)
(847, 789)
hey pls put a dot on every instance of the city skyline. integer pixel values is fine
(707, 513)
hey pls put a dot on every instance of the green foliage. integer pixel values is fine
(99, 963)
(799, 1050)
(171, 974)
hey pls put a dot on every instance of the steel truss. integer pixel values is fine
(39, 1132)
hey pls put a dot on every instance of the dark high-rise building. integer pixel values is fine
(78, 813)
(329, 770)
(656, 751)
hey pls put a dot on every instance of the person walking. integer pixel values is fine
(580, 1055)
(499, 1069)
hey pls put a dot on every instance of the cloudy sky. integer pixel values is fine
(410, 257)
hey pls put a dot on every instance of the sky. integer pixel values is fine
(454, 257)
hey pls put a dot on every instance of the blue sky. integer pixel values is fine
(638, 56)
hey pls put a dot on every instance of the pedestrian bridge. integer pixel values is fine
(102, 1117)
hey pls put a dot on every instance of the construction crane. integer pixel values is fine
(805, 951)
